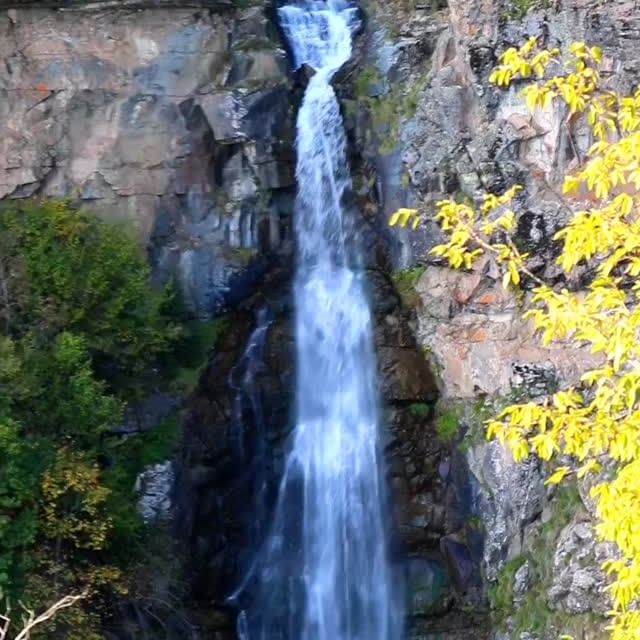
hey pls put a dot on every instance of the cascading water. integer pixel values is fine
(324, 571)
(247, 408)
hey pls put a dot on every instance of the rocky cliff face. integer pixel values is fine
(424, 125)
(175, 118)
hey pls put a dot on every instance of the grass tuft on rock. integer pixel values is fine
(448, 427)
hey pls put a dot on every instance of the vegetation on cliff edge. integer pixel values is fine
(82, 331)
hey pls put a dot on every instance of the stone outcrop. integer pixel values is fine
(511, 497)
(154, 486)
(479, 342)
(177, 121)
(578, 583)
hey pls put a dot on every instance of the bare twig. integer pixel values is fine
(33, 620)
(4, 626)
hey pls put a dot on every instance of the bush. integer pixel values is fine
(81, 329)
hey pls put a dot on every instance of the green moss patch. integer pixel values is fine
(448, 426)
(420, 409)
(405, 282)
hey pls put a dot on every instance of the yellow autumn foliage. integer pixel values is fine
(74, 503)
(595, 425)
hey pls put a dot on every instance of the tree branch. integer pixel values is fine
(33, 620)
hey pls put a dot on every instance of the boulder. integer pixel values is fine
(579, 584)
(303, 74)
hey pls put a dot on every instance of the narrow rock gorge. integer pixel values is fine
(179, 120)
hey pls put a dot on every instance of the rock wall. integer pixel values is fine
(175, 118)
(424, 124)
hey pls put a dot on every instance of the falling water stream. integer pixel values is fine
(324, 571)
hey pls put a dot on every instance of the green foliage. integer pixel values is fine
(87, 278)
(199, 337)
(365, 80)
(405, 282)
(129, 458)
(74, 500)
(19, 472)
(448, 426)
(420, 409)
(518, 9)
(76, 408)
(81, 329)
(474, 523)
(256, 43)
(242, 256)
(387, 110)
(501, 593)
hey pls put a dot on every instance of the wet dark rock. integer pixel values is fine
(458, 560)
(303, 74)
(429, 586)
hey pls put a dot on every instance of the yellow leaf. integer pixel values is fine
(513, 271)
(558, 476)
(596, 54)
(589, 467)
(520, 450)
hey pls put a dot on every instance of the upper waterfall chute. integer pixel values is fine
(324, 572)
(320, 33)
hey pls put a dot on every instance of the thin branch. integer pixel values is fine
(489, 247)
(4, 626)
(33, 620)
(574, 147)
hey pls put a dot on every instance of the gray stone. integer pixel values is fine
(578, 583)
(154, 486)
(521, 582)
(512, 496)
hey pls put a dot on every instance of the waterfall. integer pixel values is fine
(324, 572)
(247, 408)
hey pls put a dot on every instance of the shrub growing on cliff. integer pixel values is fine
(80, 328)
(596, 425)
(67, 270)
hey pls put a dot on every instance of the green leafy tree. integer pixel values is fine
(81, 330)
(20, 466)
(88, 278)
(65, 401)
